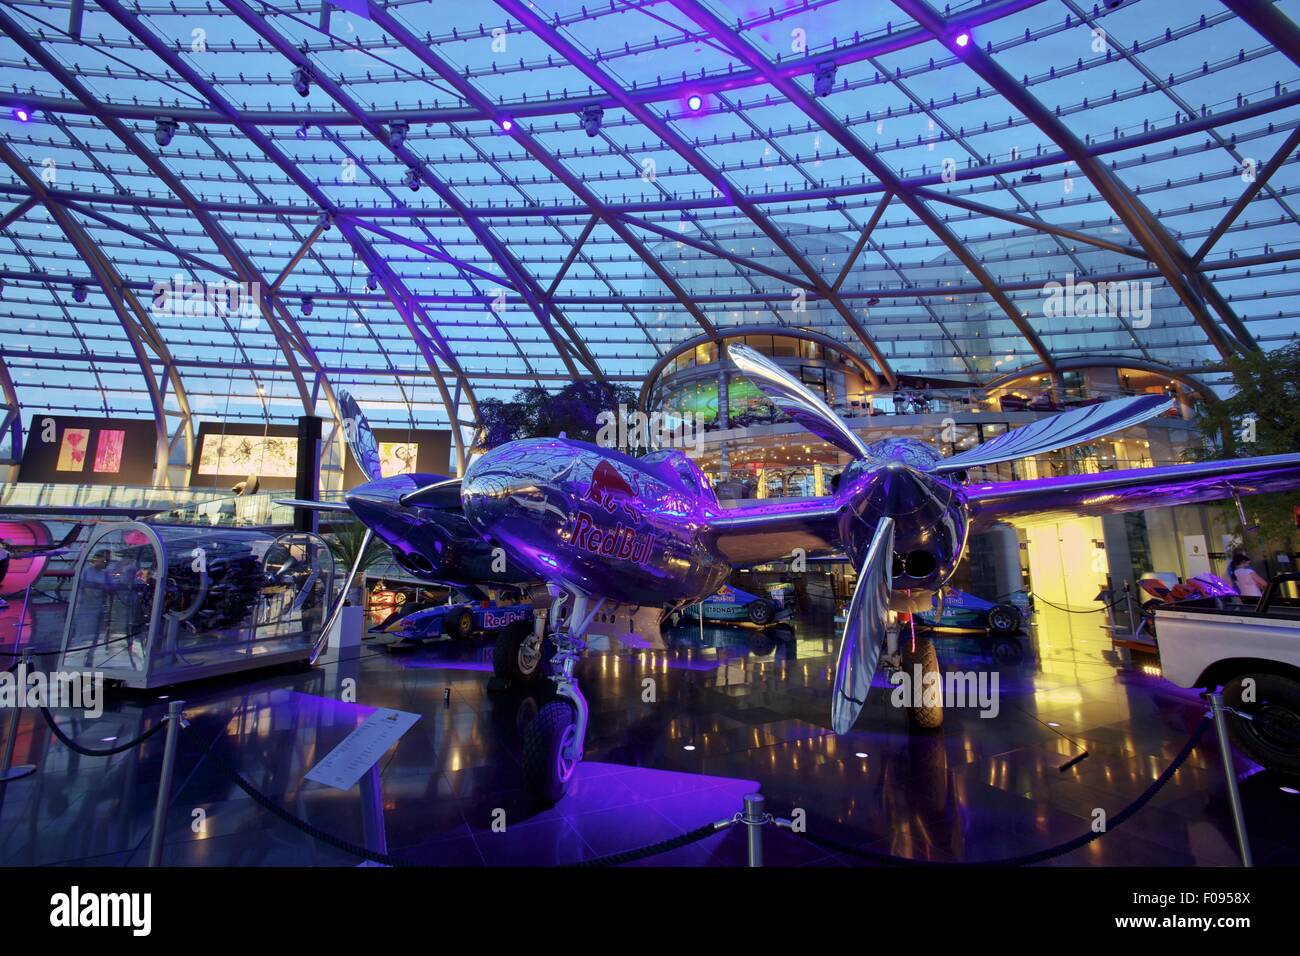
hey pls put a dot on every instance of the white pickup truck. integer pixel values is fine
(1253, 652)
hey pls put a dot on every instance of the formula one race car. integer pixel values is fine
(961, 611)
(460, 620)
(732, 604)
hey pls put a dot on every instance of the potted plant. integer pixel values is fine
(346, 543)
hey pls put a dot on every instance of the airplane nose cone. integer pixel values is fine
(897, 490)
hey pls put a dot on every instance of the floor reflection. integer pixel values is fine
(681, 729)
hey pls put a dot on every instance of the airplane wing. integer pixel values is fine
(1115, 492)
(1074, 427)
(337, 507)
(770, 530)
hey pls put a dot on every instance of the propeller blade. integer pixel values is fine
(795, 399)
(1074, 427)
(864, 631)
(323, 640)
(359, 436)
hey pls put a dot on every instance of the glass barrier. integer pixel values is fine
(153, 605)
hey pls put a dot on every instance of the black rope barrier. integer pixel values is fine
(1038, 856)
(316, 833)
(90, 752)
(654, 849)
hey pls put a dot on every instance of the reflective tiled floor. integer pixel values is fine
(678, 736)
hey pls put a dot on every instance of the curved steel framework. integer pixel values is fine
(527, 194)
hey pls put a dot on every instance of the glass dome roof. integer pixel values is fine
(236, 209)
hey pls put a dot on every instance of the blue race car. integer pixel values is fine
(733, 604)
(460, 620)
(962, 611)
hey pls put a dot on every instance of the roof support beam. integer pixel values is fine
(566, 346)
(288, 338)
(433, 253)
(1038, 225)
(861, 244)
(706, 169)
(742, 48)
(1159, 246)
(715, 250)
(385, 21)
(668, 91)
(1262, 177)
(20, 210)
(241, 263)
(573, 254)
(135, 322)
(1271, 23)
(12, 421)
(297, 257)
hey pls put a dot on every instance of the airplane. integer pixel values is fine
(595, 526)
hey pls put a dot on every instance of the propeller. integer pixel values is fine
(912, 462)
(359, 436)
(864, 631)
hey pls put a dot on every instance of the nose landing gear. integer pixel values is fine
(554, 742)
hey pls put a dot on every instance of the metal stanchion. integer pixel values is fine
(22, 618)
(7, 772)
(754, 819)
(1230, 774)
(1128, 601)
(174, 723)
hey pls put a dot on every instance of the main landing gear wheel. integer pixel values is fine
(760, 612)
(460, 625)
(1004, 619)
(927, 716)
(1270, 736)
(548, 745)
(518, 654)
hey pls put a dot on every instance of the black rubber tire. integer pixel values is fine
(760, 612)
(1004, 620)
(460, 625)
(1272, 738)
(506, 655)
(546, 772)
(925, 717)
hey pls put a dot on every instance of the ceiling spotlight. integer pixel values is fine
(301, 81)
(412, 180)
(695, 102)
(397, 131)
(164, 129)
(22, 114)
(962, 39)
(591, 117)
(824, 79)
(507, 125)
(372, 282)
(325, 220)
(302, 131)
(307, 305)
(80, 293)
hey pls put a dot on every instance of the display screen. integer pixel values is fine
(108, 451)
(263, 455)
(398, 458)
(72, 449)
